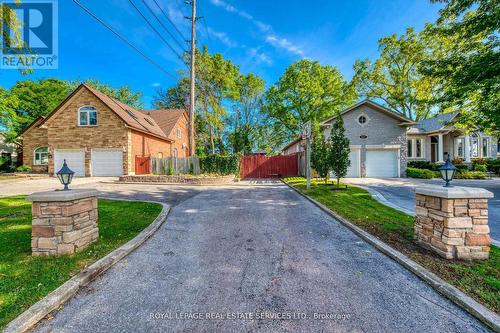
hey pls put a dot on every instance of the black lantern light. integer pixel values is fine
(447, 171)
(65, 175)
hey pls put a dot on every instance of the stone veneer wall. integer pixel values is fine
(63, 227)
(453, 228)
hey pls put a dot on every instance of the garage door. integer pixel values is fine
(75, 159)
(107, 162)
(354, 168)
(382, 163)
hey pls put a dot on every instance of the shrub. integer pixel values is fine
(421, 173)
(480, 167)
(471, 175)
(457, 161)
(4, 163)
(479, 161)
(462, 167)
(220, 164)
(421, 165)
(493, 165)
(23, 168)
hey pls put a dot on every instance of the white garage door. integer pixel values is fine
(382, 163)
(75, 159)
(354, 169)
(107, 162)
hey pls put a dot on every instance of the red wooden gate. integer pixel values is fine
(260, 166)
(142, 165)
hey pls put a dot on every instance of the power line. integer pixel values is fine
(169, 20)
(164, 27)
(123, 39)
(154, 29)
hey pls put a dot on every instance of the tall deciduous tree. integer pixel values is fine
(122, 93)
(306, 91)
(469, 67)
(339, 150)
(395, 77)
(174, 97)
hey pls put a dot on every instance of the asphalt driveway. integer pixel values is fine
(400, 193)
(230, 257)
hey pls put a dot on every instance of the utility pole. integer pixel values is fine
(192, 147)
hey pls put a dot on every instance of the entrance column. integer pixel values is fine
(440, 148)
(467, 148)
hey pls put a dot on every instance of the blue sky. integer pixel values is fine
(263, 37)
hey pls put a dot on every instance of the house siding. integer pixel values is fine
(33, 138)
(380, 130)
(64, 132)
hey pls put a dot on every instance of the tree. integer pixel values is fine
(122, 93)
(320, 160)
(174, 97)
(306, 91)
(246, 117)
(339, 150)
(468, 67)
(395, 77)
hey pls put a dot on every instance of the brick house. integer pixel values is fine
(101, 136)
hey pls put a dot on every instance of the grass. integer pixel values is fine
(478, 279)
(24, 279)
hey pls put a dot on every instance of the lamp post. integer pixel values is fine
(65, 175)
(447, 171)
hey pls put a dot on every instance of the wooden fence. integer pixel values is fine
(260, 166)
(175, 165)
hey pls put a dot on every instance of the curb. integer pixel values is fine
(467, 303)
(63, 293)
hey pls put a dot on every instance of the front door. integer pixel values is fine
(433, 152)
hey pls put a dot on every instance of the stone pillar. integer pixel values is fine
(453, 221)
(64, 222)
(440, 148)
(467, 148)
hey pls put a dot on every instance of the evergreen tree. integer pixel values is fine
(339, 150)
(320, 156)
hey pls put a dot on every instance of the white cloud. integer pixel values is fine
(284, 44)
(155, 84)
(272, 39)
(259, 57)
(222, 36)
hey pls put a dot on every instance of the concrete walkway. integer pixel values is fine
(254, 250)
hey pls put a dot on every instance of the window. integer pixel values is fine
(410, 148)
(179, 133)
(149, 121)
(362, 120)
(486, 147)
(41, 156)
(130, 113)
(460, 147)
(418, 145)
(474, 145)
(87, 116)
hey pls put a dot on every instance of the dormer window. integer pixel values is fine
(87, 116)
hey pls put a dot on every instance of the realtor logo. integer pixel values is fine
(29, 34)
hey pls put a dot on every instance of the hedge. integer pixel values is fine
(220, 164)
(471, 175)
(421, 173)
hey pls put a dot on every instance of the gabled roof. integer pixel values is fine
(404, 120)
(165, 118)
(132, 117)
(35, 122)
(436, 123)
(292, 143)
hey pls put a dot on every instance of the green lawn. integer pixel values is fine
(479, 279)
(24, 279)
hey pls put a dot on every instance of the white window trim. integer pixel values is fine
(366, 117)
(34, 156)
(88, 117)
(414, 148)
(488, 146)
(179, 133)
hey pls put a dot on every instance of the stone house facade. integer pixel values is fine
(96, 134)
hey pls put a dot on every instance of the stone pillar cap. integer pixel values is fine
(60, 195)
(458, 192)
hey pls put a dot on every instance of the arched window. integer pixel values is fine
(87, 116)
(41, 156)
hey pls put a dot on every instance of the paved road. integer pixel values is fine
(170, 194)
(255, 249)
(401, 192)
